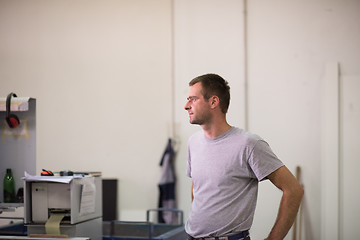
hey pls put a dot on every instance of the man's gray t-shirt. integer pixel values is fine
(225, 172)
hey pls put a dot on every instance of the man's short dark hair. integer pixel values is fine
(213, 84)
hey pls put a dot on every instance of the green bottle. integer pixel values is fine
(9, 187)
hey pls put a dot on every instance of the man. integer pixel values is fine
(225, 164)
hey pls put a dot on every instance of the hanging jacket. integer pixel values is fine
(167, 186)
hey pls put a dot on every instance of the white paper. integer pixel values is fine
(17, 104)
(62, 179)
(88, 193)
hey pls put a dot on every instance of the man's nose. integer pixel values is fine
(187, 106)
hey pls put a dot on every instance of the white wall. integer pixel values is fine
(103, 73)
(290, 44)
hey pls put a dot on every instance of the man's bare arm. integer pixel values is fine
(290, 202)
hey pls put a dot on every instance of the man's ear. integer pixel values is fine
(214, 101)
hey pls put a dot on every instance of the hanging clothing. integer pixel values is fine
(167, 186)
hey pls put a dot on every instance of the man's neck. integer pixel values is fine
(215, 130)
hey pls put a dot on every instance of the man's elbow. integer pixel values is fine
(299, 192)
(294, 192)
